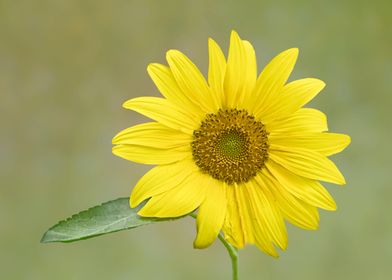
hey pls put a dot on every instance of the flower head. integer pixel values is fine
(239, 148)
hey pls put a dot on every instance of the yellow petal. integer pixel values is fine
(267, 212)
(308, 164)
(150, 155)
(164, 112)
(297, 212)
(250, 74)
(216, 70)
(308, 190)
(167, 85)
(241, 70)
(243, 223)
(294, 95)
(154, 135)
(191, 81)
(324, 143)
(304, 120)
(234, 77)
(211, 214)
(161, 179)
(233, 226)
(178, 201)
(255, 224)
(245, 212)
(272, 79)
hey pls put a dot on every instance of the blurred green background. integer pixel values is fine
(66, 66)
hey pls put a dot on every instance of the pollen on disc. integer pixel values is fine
(231, 146)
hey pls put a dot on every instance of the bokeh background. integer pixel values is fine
(66, 66)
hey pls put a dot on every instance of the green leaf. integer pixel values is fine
(106, 218)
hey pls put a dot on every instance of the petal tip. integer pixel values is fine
(171, 53)
(143, 213)
(212, 44)
(127, 104)
(317, 83)
(284, 244)
(347, 139)
(151, 66)
(330, 205)
(115, 150)
(116, 140)
(290, 54)
(234, 35)
(133, 202)
(294, 51)
(199, 244)
(341, 180)
(315, 226)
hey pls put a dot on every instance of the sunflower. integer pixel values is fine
(239, 148)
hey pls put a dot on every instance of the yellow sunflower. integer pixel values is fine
(239, 148)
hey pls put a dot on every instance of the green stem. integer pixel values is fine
(233, 252)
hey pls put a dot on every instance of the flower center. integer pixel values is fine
(230, 145)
